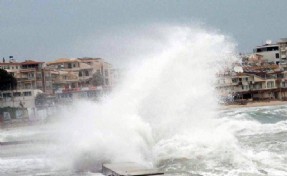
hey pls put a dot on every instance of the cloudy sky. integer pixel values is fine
(46, 30)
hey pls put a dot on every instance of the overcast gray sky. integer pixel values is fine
(46, 30)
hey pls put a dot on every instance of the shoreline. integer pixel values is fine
(254, 104)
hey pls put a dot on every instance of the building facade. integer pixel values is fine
(30, 75)
(79, 73)
(264, 82)
(269, 52)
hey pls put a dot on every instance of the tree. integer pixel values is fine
(7, 80)
(97, 79)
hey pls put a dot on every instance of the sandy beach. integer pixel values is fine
(255, 104)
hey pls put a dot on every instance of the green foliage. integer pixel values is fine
(7, 80)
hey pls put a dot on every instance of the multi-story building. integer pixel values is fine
(269, 52)
(264, 82)
(70, 73)
(29, 74)
(101, 67)
(273, 52)
(263, 75)
(79, 72)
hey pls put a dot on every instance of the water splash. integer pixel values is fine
(163, 110)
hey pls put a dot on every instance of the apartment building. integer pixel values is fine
(273, 52)
(263, 82)
(29, 74)
(78, 72)
(101, 67)
(73, 78)
(269, 52)
(69, 73)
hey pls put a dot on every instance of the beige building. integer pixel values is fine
(78, 73)
(70, 73)
(101, 67)
(265, 82)
(30, 75)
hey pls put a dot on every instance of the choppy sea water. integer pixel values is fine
(259, 148)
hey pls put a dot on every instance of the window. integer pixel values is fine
(30, 75)
(74, 65)
(270, 84)
(26, 94)
(106, 73)
(86, 73)
(80, 74)
(277, 55)
(274, 48)
(245, 87)
(7, 95)
(39, 75)
(17, 94)
(234, 80)
(69, 65)
(221, 81)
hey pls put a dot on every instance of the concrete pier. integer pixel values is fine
(128, 169)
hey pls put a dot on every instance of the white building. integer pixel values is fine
(269, 51)
(24, 98)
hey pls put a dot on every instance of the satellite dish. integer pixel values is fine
(268, 42)
(238, 69)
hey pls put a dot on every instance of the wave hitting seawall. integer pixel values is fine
(164, 110)
(164, 114)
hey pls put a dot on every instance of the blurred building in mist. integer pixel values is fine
(75, 78)
(81, 73)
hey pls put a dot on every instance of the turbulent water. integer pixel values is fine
(255, 145)
(165, 114)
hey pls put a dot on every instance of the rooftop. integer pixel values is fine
(63, 60)
(26, 62)
(29, 62)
